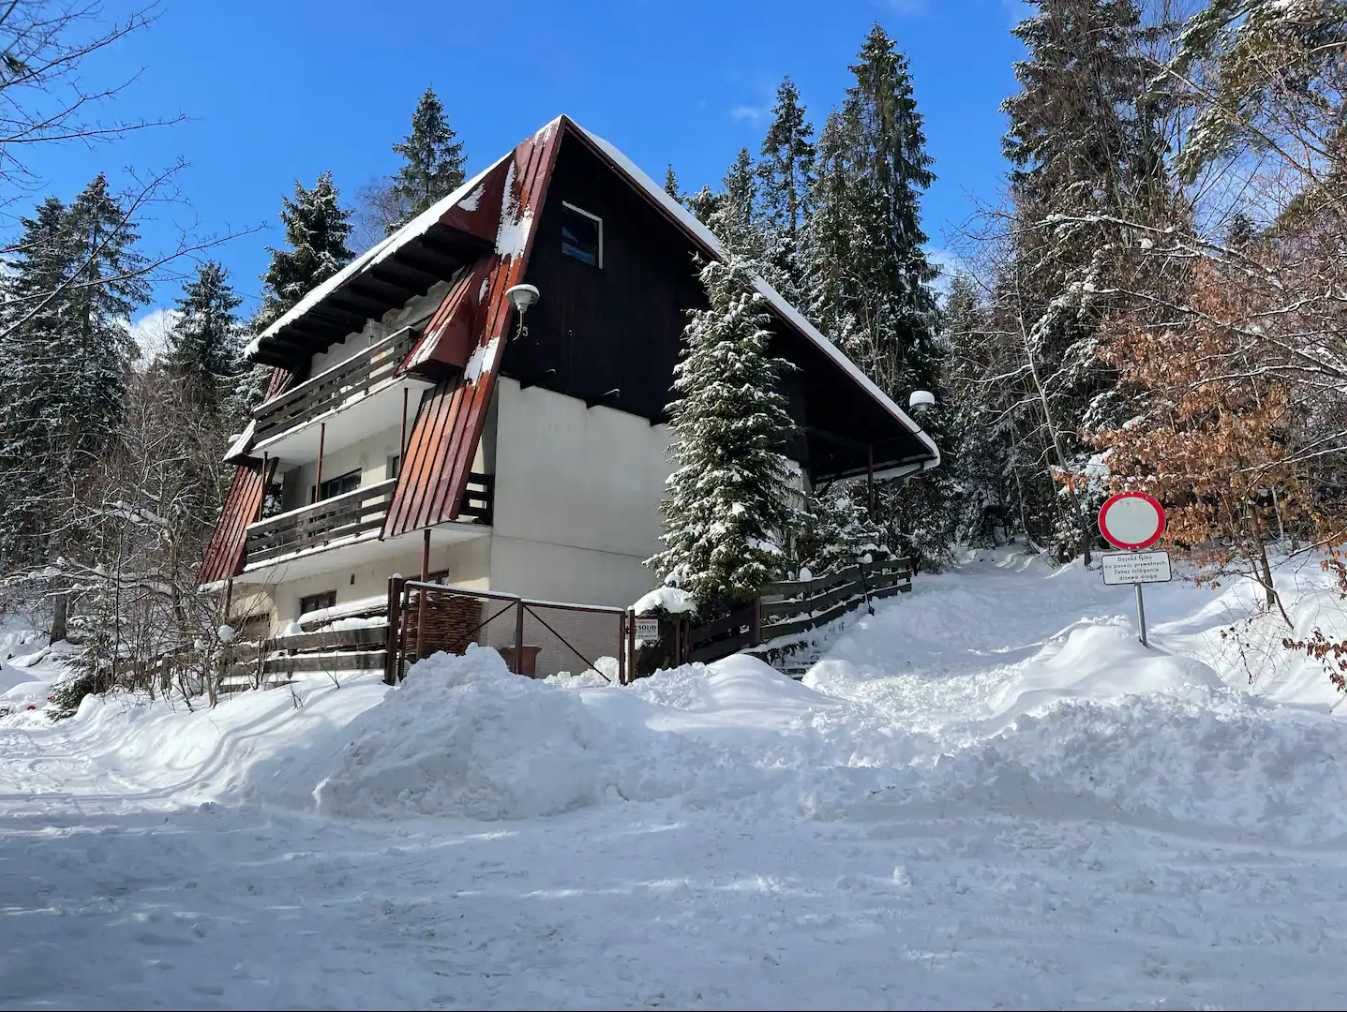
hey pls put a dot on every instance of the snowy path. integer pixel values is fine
(1013, 806)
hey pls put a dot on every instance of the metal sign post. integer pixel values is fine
(1141, 615)
(1134, 521)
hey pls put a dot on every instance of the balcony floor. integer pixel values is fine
(353, 553)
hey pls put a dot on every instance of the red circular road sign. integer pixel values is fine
(1132, 520)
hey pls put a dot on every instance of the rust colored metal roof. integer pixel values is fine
(225, 554)
(449, 425)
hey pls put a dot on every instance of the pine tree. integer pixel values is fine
(671, 183)
(837, 531)
(1086, 151)
(65, 369)
(867, 263)
(786, 176)
(203, 346)
(36, 317)
(108, 288)
(734, 220)
(316, 230)
(725, 510)
(978, 437)
(433, 160)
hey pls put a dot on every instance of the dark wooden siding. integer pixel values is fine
(614, 327)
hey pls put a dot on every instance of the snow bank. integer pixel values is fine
(464, 737)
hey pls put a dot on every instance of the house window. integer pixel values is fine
(581, 235)
(342, 483)
(316, 601)
(394, 466)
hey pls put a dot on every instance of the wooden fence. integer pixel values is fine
(786, 611)
(274, 661)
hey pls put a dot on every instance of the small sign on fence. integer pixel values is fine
(647, 629)
(1135, 567)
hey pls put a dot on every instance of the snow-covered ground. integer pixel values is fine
(986, 794)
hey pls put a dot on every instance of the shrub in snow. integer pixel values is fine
(836, 531)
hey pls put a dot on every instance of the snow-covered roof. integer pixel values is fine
(466, 195)
(778, 302)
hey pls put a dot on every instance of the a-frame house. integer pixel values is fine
(406, 398)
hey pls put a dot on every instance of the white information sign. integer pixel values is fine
(647, 629)
(1135, 567)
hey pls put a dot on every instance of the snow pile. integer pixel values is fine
(464, 737)
(667, 599)
(1217, 760)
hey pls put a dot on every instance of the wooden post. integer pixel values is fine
(229, 597)
(394, 620)
(519, 638)
(318, 482)
(870, 476)
(262, 499)
(402, 439)
(421, 594)
(622, 649)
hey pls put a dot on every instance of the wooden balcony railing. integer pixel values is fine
(350, 515)
(345, 381)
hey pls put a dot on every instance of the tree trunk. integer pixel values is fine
(60, 611)
(1082, 522)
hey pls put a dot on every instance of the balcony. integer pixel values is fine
(353, 521)
(354, 398)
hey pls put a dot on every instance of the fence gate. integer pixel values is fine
(536, 638)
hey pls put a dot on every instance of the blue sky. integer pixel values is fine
(279, 91)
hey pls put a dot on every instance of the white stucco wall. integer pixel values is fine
(467, 563)
(577, 498)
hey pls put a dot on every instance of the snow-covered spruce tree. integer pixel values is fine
(725, 508)
(1087, 148)
(977, 436)
(735, 217)
(316, 230)
(785, 178)
(671, 183)
(66, 364)
(203, 346)
(867, 268)
(108, 288)
(867, 264)
(837, 531)
(702, 204)
(433, 159)
(31, 458)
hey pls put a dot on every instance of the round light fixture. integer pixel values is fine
(522, 297)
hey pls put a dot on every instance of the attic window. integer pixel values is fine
(581, 235)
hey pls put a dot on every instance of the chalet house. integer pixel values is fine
(415, 423)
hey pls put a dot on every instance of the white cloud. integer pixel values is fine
(151, 331)
(749, 113)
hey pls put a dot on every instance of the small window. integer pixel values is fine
(394, 466)
(581, 235)
(341, 484)
(316, 601)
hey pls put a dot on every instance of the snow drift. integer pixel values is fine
(463, 737)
